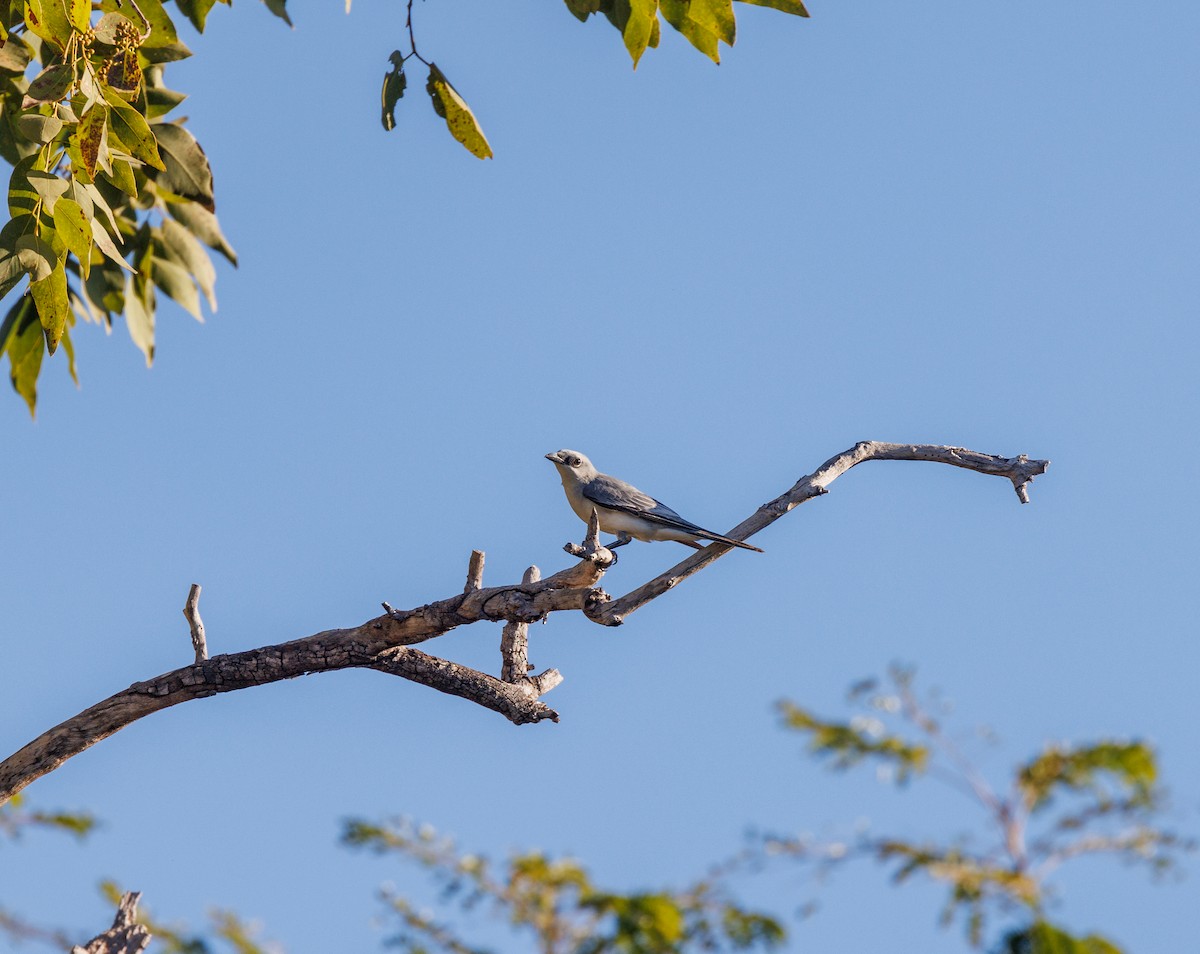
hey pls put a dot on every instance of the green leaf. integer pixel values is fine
(88, 141)
(50, 297)
(203, 224)
(122, 177)
(105, 289)
(23, 198)
(794, 7)
(75, 231)
(38, 128)
(25, 347)
(180, 244)
(196, 11)
(130, 128)
(173, 279)
(582, 9)
(37, 256)
(460, 120)
(11, 273)
(394, 82)
(279, 8)
(186, 171)
(49, 86)
(15, 55)
(139, 315)
(160, 101)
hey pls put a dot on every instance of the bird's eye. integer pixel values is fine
(574, 461)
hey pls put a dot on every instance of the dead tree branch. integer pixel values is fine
(125, 936)
(383, 643)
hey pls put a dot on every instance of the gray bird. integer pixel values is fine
(625, 510)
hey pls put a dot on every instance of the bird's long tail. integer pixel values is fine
(733, 543)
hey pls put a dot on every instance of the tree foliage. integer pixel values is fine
(556, 902)
(1065, 802)
(111, 199)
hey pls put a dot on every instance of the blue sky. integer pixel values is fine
(950, 223)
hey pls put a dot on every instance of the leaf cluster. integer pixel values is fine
(111, 201)
(1067, 801)
(557, 902)
(704, 23)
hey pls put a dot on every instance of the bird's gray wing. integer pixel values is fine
(615, 494)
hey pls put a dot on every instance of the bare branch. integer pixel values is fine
(1020, 470)
(474, 572)
(126, 936)
(514, 643)
(381, 643)
(191, 612)
(362, 646)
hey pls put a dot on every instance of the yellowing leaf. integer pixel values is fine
(87, 141)
(460, 120)
(50, 297)
(639, 27)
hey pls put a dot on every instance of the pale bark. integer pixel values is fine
(383, 643)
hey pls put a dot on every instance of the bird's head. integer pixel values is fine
(573, 463)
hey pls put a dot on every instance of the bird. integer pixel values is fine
(625, 510)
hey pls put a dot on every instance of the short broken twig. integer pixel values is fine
(191, 612)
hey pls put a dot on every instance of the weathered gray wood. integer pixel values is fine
(1020, 470)
(125, 936)
(383, 643)
(191, 612)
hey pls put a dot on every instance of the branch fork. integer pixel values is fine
(385, 642)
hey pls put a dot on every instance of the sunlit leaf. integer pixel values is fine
(122, 177)
(50, 297)
(104, 242)
(130, 128)
(459, 119)
(89, 138)
(202, 224)
(75, 231)
(49, 19)
(638, 27)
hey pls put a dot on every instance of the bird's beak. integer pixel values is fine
(554, 458)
